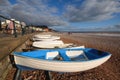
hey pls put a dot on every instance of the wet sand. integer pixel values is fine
(110, 70)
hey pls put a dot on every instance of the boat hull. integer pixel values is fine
(59, 66)
(51, 44)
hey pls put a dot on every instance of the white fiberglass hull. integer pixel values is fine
(59, 66)
(49, 42)
(52, 45)
(38, 39)
(46, 37)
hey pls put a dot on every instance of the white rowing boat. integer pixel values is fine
(61, 60)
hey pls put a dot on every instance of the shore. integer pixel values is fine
(110, 70)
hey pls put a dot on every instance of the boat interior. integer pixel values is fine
(64, 55)
(67, 56)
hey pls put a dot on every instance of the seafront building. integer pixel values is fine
(9, 26)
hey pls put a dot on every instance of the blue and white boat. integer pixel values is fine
(61, 60)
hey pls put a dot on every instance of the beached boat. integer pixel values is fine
(51, 44)
(61, 60)
(39, 37)
(47, 39)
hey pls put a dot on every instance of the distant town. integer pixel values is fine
(11, 26)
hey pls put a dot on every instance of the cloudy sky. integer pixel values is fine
(65, 15)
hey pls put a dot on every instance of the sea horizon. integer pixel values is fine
(90, 31)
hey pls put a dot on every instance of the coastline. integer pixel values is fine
(110, 70)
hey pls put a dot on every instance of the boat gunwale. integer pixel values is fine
(63, 61)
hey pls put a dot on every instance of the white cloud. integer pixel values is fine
(113, 28)
(92, 10)
(5, 6)
(38, 11)
(32, 12)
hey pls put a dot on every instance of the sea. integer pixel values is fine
(97, 33)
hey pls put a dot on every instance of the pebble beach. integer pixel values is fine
(110, 70)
